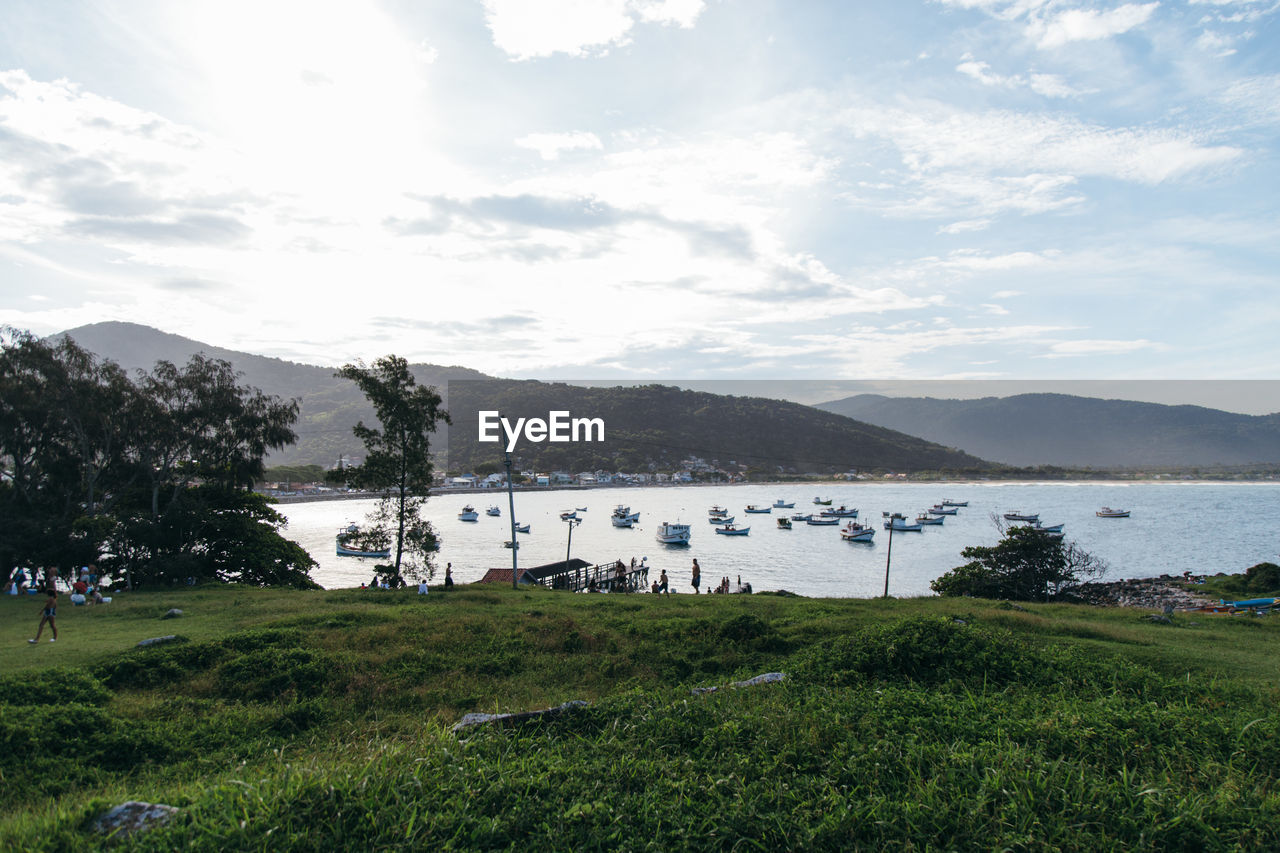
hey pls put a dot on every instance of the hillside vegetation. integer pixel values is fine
(320, 720)
(663, 425)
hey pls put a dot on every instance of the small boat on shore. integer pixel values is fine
(784, 523)
(1108, 512)
(1019, 515)
(674, 534)
(780, 504)
(855, 532)
(732, 530)
(468, 514)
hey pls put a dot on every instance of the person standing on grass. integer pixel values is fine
(697, 575)
(662, 583)
(47, 615)
(448, 576)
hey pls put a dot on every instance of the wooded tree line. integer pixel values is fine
(148, 476)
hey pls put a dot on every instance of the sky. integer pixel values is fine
(709, 189)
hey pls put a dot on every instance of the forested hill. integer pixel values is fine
(660, 425)
(329, 406)
(1066, 430)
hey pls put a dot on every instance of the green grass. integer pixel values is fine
(320, 720)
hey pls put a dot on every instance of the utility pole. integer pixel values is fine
(893, 522)
(511, 511)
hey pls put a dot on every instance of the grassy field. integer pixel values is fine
(285, 720)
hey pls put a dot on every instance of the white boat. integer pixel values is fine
(949, 502)
(897, 521)
(754, 508)
(568, 514)
(1047, 528)
(840, 512)
(493, 510)
(731, 530)
(855, 532)
(468, 514)
(621, 512)
(580, 508)
(780, 504)
(1019, 515)
(347, 544)
(722, 519)
(522, 528)
(823, 521)
(1108, 512)
(622, 520)
(943, 509)
(674, 534)
(802, 516)
(717, 510)
(925, 518)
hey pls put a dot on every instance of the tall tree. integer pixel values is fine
(398, 459)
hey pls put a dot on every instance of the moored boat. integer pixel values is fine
(943, 509)
(622, 520)
(821, 502)
(522, 528)
(674, 534)
(468, 514)
(949, 502)
(822, 520)
(802, 516)
(855, 532)
(925, 518)
(732, 530)
(1019, 515)
(348, 543)
(754, 508)
(781, 504)
(722, 519)
(1108, 512)
(898, 521)
(717, 510)
(840, 512)
(568, 514)
(784, 523)
(493, 510)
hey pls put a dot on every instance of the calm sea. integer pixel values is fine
(1201, 527)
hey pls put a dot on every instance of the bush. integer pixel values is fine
(1264, 577)
(55, 686)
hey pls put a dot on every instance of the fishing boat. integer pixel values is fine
(674, 534)
(580, 509)
(781, 504)
(855, 532)
(468, 514)
(802, 516)
(925, 518)
(722, 519)
(522, 528)
(622, 512)
(493, 510)
(1108, 512)
(731, 530)
(840, 512)
(1047, 528)
(821, 502)
(349, 545)
(823, 521)
(717, 510)
(897, 521)
(568, 514)
(943, 509)
(1019, 515)
(949, 502)
(784, 523)
(754, 508)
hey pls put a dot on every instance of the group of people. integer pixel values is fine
(661, 584)
(398, 582)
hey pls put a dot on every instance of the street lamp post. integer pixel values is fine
(572, 522)
(889, 555)
(511, 511)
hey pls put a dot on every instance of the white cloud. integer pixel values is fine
(1048, 85)
(1067, 349)
(527, 29)
(965, 226)
(1088, 24)
(550, 145)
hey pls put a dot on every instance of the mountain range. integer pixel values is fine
(1071, 431)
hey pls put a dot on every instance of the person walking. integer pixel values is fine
(697, 575)
(47, 615)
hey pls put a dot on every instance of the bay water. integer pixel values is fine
(1200, 527)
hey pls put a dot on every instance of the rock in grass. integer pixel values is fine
(477, 719)
(173, 613)
(133, 816)
(763, 678)
(156, 641)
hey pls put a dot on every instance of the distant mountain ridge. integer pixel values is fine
(1071, 431)
(329, 406)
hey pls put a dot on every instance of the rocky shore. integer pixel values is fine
(1150, 593)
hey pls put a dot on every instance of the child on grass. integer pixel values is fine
(47, 615)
